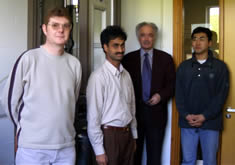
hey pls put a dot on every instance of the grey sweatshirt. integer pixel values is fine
(40, 97)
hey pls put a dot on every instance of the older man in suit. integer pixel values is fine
(153, 75)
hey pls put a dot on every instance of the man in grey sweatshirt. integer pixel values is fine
(40, 96)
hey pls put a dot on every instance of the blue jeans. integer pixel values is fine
(209, 140)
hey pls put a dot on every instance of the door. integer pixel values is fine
(227, 40)
(100, 16)
(228, 134)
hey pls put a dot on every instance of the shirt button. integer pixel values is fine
(199, 68)
(199, 75)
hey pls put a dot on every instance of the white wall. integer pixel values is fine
(13, 32)
(13, 41)
(161, 13)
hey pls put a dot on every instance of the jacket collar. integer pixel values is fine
(209, 61)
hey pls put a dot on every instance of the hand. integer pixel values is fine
(189, 118)
(155, 99)
(102, 159)
(197, 120)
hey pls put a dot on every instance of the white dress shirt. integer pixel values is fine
(110, 101)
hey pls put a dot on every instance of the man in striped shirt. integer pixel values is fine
(40, 97)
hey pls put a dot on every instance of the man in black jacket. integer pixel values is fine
(153, 76)
(202, 85)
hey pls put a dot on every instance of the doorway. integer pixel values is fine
(222, 49)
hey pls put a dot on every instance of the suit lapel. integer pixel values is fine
(154, 61)
(155, 67)
(138, 72)
(138, 64)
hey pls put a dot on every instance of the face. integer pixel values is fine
(200, 43)
(57, 31)
(115, 50)
(146, 37)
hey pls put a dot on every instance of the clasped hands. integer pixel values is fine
(195, 120)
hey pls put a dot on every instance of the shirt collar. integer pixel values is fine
(113, 69)
(150, 52)
(208, 62)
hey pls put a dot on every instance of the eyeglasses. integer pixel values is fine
(199, 39)
(57, 26)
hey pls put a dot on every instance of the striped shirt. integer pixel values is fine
(40, 97)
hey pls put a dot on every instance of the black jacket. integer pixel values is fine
(163, 82)
(202, 89)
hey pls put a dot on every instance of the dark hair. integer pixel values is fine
(110, 33)
(202, 30)
(57, 12)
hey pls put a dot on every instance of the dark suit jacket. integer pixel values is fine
(163, 82)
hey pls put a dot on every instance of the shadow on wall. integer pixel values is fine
(6, 135)
(2, 83)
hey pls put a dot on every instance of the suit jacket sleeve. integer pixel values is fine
(179, 93)
(217, 102)
(168, 90)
